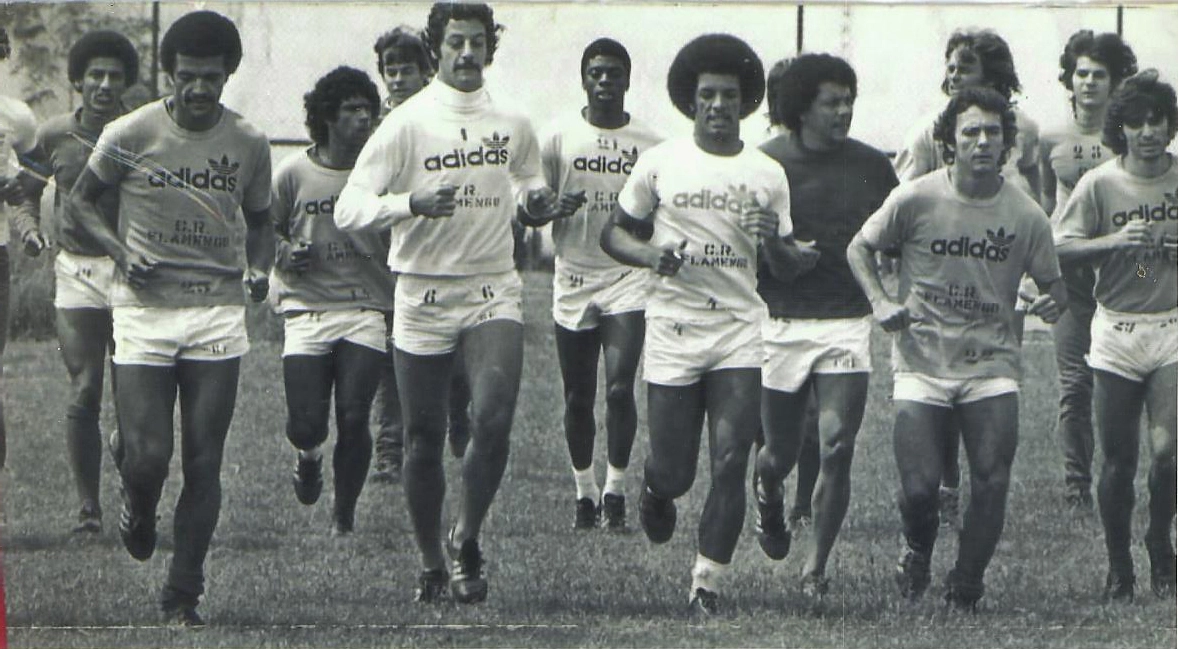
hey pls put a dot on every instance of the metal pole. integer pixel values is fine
(801, 22)
(1121, 21)
(155, 48)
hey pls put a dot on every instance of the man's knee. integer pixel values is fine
(669, 482)
(838, 455)
(619, 395)
(83, 412)
(306, 432)
(352, 418)
(144, 465)
(578, 401)
(730, 465)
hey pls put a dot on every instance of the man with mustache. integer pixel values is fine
(102, 64)
(1122, 218)
(405, 67)
(183, 167)
(446, 171)
(597, 303)
(333, 290)
(818, 336)
(966, 236)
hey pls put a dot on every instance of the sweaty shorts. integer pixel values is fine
(797, 348)
(161, 336)
(431, 312)
(680, 353)
(83, 282)
(1133, 345)
(314, 333)
(946, 393)
(580, 297)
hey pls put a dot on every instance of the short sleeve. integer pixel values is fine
(111, 160)
(257, 192)
(1080, 216)
(884, 229)
(639, 197)
(1042, 261)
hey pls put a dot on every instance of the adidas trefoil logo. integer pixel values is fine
(999, 238)
(496, 142)
(224, 167)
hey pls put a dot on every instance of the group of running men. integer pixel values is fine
(747, 278)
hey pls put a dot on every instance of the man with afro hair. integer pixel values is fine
(102, 64)
(703, 212)
(183, 168)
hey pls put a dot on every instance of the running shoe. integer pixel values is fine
(963, 594)
(89, 520)
(657, 516)
(137, 530)
(183, 615)
(1119, 587)
(467, 583)
(308, 479)
(815, 588)
(772, 534)
(586, 514)
(1162, 567)
(912, 573)
(613, 512)
(704, 604)
(431, 586)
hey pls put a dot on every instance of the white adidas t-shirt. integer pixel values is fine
(694, 196)
(17, 129)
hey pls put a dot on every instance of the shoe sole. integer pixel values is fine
(478, 592)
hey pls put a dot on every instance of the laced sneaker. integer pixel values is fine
(586, 514)
(467, 583)
(657, 516)
(182, 615)
(1079, 499)
(308, 479)
(386, 470)
(431, 586)
(613, 512)
(342, 523)
(772, 534)
(1118, 587)
(89, 520)
(137, 530)
(1162, 567)
(704, 604)
(815, 587)
(912, 573)
(949, 501)
(962, 594)
(799, 520)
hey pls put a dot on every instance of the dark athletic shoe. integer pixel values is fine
(467, 583)
(183, 615)
(704, 604)
(308, 479)
(613, 512)
(962, 594)
(799, 520)
(772, 534)
(1162, 567)
(1118, 587)
(912, 573)
(815, 588)
(386, 470)
(586, 514)
(89, 521)
(137, 531)
(431, 586)
(657, 516)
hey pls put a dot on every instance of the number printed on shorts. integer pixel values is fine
(1125, 327)
(430, 296)
(488, 292)
(576, 281)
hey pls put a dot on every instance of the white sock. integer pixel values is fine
(615, 480)
(586, 483)
(706, 574)
(311, 453)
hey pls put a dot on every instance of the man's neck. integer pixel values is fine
(1147, 168)
(606, 115)
(811, 142)
(93, 120)
(337, 155)
(725, 146)
(1090, 118)
(455, 89)
(976, 186)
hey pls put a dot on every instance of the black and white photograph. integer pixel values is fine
(588, 323)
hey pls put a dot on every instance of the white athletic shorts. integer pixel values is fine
(314, 333)
(1133, 345)
(161, 336)
(431, 312)
(946, 393)
(680, 353)
(797, 348)
(83, 282)
(580, 297)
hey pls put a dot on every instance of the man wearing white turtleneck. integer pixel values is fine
(446, 171)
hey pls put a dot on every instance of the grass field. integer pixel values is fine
(277, 578)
